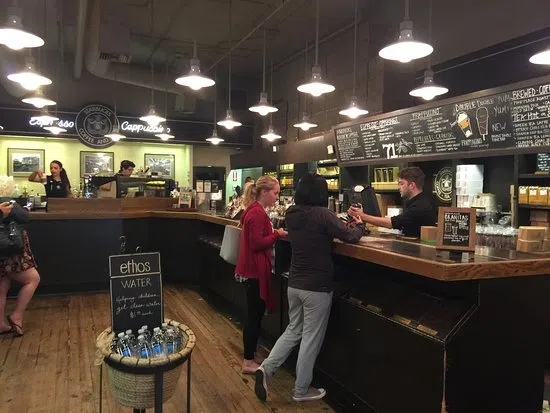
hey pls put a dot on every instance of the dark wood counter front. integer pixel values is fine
(388, 251)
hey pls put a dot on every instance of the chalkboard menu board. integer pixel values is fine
(456, 229)
(512, 119)
(136, 291)
(543, 162)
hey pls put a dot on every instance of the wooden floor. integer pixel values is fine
(51, 368)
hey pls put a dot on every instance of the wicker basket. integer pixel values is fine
(132, 380)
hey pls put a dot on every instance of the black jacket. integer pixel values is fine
(17, 214)
(311, 231)
(419, 211)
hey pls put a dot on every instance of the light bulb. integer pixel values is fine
(229, 122)
(263, 108)
(214, 139)
(152, 119)
(38, 100)
(305, 124)
(56, 130)
(115, 134)
(164, 136)
(541, 58)
(28, 78)
(270, 135)
(353, 111)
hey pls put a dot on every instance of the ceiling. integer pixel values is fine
(163, 31)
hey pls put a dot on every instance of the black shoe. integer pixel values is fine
(260, 387)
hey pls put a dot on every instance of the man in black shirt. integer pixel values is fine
(418, 209)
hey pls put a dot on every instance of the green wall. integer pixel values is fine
(68, 152)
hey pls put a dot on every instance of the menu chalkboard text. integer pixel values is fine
(456, 229)
(136, 291)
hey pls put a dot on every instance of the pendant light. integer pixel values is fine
(215, 139)
(270, 135)
(194, 79)
(406, 48)
(28, 78)
(541, 58)
(429, 89)
(13, 34)
(316, 86)
(229, 122)
(305, 123)
(263, 108)
(115, 134)
(54, 129)
(354, 110)
(165, 136)
(152, 119)
(38, 100)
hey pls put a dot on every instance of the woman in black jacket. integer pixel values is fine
(20, 268)
(311, 229)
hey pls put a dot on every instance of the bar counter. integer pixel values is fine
(411, 328)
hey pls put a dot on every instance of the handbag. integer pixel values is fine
(231, 244)
(11, 239)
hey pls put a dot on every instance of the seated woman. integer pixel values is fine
(57, 184)
(20, 268)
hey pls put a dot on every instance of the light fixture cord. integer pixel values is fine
(430, 33)
(166, 89)
(317, 35)
(263, 83)
(152, 69)
(215, 95)
(271, 93)
(407, 16)
(194, 48)
(229, 56)
(306, 58)
(354, 45)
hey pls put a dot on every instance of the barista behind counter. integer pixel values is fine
(419, 208)
(57, 185)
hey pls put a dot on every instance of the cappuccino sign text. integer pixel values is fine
(136, 291)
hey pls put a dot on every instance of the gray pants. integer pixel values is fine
(308, 312)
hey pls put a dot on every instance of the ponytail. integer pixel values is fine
(252, 190)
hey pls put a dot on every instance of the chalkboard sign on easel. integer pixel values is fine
(136, 291)
(456, 229)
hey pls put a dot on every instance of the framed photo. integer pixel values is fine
(93, 163)
(22, 162)
(163, 165)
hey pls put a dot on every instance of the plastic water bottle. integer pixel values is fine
(114, 345)
(164, 328)
(177, 334)
(124, 348)
(131, 338)
(170, 340)
(144, 350)
(146, 332)
(157, 343)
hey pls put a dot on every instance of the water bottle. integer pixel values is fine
(157, 343)
(178, 336)
(164, 328)
(146, 332)
(131, 338)
(170, 340)
(124, 346)
(144, 350)
(114, 345)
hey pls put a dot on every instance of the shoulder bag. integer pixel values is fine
(231, 244)
(11, 239)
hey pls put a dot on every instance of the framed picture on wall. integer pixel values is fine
(22, 162)
(93, 163)
(162, 165)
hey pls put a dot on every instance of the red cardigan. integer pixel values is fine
(257, 238)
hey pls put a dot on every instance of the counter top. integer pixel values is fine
(386, 250)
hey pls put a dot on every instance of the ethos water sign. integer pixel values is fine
(136, 291)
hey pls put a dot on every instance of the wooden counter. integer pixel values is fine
(388, 251)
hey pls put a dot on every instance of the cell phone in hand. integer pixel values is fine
(12, 202)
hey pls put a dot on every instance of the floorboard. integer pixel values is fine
(52, 368)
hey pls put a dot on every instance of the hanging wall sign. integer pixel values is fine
(93, 122)
(443, 184)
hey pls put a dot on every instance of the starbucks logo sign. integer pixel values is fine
(92, 123)
(443, 184)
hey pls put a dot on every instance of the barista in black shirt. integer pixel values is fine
(57, 184)
(419, 209)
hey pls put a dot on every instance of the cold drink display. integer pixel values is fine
(165, 340)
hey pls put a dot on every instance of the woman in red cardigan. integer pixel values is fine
(254, 264)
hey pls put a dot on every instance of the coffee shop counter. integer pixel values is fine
(411, 327)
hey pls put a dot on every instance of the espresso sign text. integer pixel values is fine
(136, 291)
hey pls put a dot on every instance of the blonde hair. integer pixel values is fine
(252, 190)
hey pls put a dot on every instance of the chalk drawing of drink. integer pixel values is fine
(482, 117)
(463, 121)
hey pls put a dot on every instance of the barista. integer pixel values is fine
(419, 209)
(126, 168)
